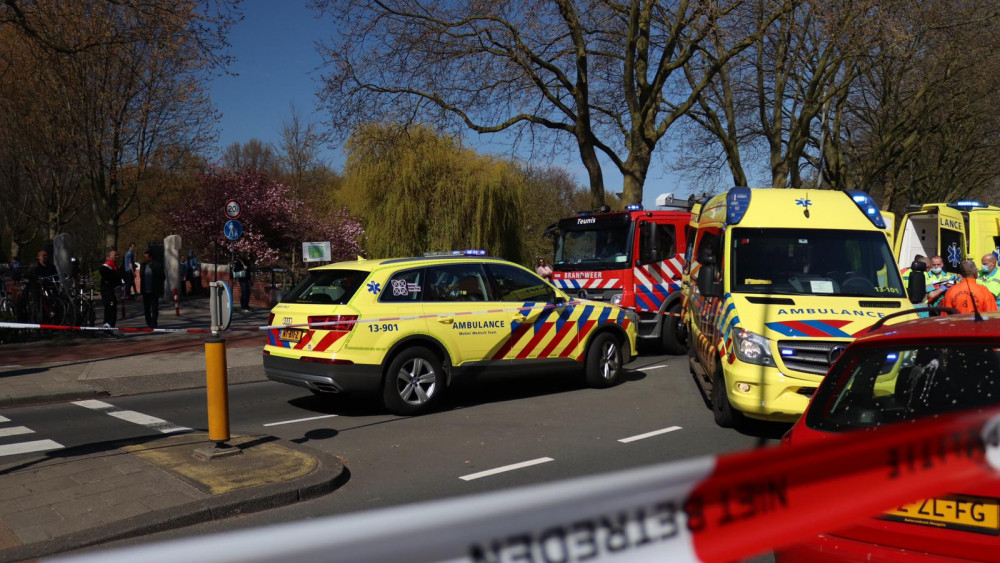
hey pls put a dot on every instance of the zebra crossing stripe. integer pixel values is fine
(15, 431)
(29, 447)
(134, 417)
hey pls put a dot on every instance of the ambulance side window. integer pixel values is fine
(456, 282)
(515, 284)
(709, 246)
(404, 287)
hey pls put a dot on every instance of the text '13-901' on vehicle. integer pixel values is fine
(407, 328)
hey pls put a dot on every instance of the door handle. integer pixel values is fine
(446, 320)
(520, 318)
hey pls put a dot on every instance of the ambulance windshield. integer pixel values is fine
(814, 262)
(590, 244)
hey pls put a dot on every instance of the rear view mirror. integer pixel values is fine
(647, 243)
(707, 285)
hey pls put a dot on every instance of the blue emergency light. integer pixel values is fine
(469, 252)
(737, 204)
(867, 206)
(966, 204)
(633, 207)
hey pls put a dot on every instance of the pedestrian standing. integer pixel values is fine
(111, 280)
(241, 271)
(194, 272)
(130, 267)
(543, 270)
(151, 279)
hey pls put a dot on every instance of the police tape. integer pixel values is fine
(710, 509)
(322, 324)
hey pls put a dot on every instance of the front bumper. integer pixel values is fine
(324, 377)
(832, 549)
(772, 395)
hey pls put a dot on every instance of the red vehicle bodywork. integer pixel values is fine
(878, 539)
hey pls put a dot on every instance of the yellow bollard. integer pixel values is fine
(218, 390)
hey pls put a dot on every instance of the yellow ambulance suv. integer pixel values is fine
(780, 282)
(409, 327)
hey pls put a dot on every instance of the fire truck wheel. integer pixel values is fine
(671, 331)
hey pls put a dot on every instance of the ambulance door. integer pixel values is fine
(538, 327)
(951, 237)
(464, 319)
(706, 309)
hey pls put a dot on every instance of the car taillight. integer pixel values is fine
(344, 322)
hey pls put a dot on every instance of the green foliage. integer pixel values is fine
(417, 191)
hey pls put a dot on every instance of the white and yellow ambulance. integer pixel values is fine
(954, 231)
(408, 327)
(780, 282)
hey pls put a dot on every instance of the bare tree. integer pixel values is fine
(605, 75)
(252, 157)
(300, 146)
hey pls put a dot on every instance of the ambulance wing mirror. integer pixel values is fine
(707, 285)
(916, 288)
(647, 243)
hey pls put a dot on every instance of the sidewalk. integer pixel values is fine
(68, 499)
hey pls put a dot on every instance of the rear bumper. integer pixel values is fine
(832, 549)
(324, 377)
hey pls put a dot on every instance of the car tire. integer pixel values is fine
(725, 415)
(605, 360)
(670, 331)
(401, 394)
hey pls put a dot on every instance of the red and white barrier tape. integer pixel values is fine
(33, 326)
(711, 509)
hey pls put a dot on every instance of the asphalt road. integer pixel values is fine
(551, 422)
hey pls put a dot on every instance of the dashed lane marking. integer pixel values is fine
(300, 420)
(649, 434)
(28, 447)
(150, 422)
(15, 431)
(506, 468)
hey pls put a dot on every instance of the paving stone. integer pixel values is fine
(49, 485)
(44, 499)
(34, 517)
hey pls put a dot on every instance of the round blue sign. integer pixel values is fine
(233, 229)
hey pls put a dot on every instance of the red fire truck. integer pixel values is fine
(633, 258)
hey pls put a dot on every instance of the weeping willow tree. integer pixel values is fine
(416, 191)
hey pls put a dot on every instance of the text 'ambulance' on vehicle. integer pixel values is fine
(631, 258)
(408, 327)
(781, 281)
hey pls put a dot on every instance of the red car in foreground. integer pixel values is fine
(898, 373)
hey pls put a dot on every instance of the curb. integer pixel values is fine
(328, 477)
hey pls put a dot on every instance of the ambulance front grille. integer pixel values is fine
(807, 356)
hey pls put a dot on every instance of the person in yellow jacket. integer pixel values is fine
(988, 276)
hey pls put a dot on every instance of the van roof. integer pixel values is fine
(794, 208)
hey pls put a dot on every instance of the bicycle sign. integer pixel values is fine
(233, 229)
(232, 209)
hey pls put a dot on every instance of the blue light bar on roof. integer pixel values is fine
(737, 203)
(966, 204)
(867, 206)
(470, 252)
(633, 207)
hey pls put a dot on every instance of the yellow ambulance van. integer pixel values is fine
(780, 282)
(954, 231)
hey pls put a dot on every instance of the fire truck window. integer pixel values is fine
(666, 243)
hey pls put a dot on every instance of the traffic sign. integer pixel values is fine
(233, 209)
(233, 229)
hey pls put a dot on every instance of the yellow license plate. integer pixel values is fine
(291, 334)
(970, 514)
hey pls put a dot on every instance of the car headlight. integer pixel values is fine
(616, 299)
(753, 348)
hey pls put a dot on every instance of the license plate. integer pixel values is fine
(970, 514)
(291, 334)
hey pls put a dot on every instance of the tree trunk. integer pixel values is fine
(635, 170)
(589, 157)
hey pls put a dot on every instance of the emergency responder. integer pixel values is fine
(988, 276)
(967, 296)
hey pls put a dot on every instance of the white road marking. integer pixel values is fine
(15, 431)
(505, 468)
(644, 368)
(158, 424)
(299, 420)
(28, 447)
(649, 434)
(4, 419)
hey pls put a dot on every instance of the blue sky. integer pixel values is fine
(277, 65)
